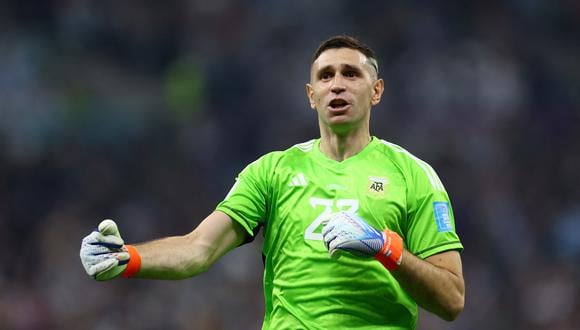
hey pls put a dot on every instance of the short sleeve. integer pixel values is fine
(247, 200)
(430, 221)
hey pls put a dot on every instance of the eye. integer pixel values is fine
(325, 75)
(350, 74)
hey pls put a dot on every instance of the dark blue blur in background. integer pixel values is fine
(145, 111)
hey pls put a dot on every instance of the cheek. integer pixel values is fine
(360, 95)
(317, 98)
(366, 95)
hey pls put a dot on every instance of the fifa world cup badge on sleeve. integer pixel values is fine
(442, 216)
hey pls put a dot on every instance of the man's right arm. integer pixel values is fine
(179, 257)
(104, 256)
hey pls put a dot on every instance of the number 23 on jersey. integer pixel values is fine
(327, 207)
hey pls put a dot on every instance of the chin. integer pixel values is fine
(332, 122)
(340, 126)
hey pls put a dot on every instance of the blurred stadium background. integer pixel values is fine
(144, 111)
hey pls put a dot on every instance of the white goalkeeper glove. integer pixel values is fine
(102, 252)
(350, 233)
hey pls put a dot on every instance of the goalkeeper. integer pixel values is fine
(357, 231)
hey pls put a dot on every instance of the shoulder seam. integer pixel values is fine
(305, 146)
(427, 169)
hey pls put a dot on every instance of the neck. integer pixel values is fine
(340, 147)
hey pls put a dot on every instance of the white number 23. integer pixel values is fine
(347, 205)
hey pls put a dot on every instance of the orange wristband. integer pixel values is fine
(391, 253)
(134, 264)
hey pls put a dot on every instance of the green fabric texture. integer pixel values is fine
(288, 194)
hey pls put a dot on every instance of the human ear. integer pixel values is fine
(378, 89)
(310, 95)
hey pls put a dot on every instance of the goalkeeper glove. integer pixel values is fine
(104, 256)
(349, 232)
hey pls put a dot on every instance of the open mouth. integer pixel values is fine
(338, 104)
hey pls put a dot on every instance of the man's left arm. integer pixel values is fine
(436, 283)
(430, 269)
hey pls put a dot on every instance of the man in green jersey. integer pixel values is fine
(357, 231)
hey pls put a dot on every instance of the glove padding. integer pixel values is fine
(102, 253)
(349, 232)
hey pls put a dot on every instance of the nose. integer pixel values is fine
(337, 86)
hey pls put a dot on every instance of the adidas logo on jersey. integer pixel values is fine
(298, 181)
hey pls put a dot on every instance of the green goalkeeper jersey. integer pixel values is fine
(290, 192)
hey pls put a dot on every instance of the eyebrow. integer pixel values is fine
(342, 67)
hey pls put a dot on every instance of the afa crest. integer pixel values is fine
(377, 186)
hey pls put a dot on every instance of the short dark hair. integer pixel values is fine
(346, 41)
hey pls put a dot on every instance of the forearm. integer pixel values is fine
(180, 257)
(175, 257)
(435, 288)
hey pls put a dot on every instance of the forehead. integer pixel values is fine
(338, 57)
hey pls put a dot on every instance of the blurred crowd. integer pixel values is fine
(145, 111)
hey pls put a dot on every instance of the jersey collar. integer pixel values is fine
(323, 159)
